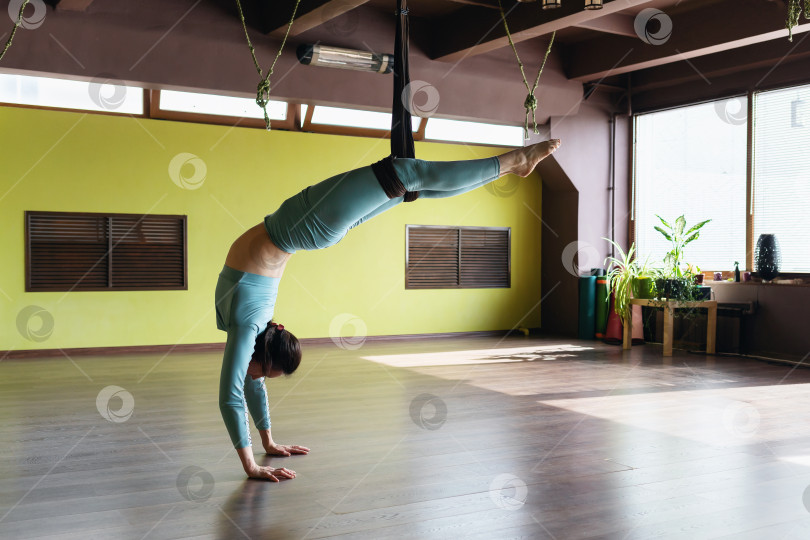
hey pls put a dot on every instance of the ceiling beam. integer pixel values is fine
(490, 4)
(478, 30)
(710, 29)
(73, 5)
(678, 84)
(615, 23)
(272, 17)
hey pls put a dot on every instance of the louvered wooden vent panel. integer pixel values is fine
(457, 257)
(80, 251)
(484, 258)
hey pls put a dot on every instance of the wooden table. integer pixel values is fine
(669, 312)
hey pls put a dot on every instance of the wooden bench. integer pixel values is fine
(669, 311)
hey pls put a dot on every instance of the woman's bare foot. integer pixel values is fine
(523, 160)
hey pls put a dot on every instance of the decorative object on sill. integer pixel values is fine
(699, 279)
(718, 276)
(552, 4)
(593, 4)
(746, 277)
(736, 271)
(768, 258)
(794, 12)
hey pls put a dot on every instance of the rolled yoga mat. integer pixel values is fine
(587, 307)
(602, 295)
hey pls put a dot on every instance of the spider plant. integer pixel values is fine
(622, 268)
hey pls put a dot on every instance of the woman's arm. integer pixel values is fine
(275, 449)
(256, 397)
(256, 471)
(232, 406)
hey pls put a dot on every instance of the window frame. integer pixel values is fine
(27, 233)
(750, 242)
(293, 112)
(328, 129)
(293, 122)
(459, 228)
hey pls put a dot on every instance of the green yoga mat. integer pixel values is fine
(587, 307)
(602, 306)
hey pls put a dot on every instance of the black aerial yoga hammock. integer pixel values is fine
(401, 127)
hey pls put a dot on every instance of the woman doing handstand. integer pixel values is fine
(317, 217)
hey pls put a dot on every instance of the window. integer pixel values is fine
(781, 187)
(457, 257)
(95, 252)
(339, 121)
(96, 95)
(692, 161)
(214, 109)
(335, 116)
(190, 102)
(440, 129)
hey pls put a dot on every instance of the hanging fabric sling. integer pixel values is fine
(401, 127)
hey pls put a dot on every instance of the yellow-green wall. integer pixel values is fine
(64, 161)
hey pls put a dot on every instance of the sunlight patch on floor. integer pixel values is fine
(717, 416)
(481, 356)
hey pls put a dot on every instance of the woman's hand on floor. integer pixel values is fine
(274, 449)
(269, 473)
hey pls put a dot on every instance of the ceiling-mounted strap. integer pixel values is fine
(401, 126)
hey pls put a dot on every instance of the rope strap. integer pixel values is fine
(17, 24)
(530, 104)
(263, 88)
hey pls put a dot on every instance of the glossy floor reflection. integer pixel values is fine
(449, 438)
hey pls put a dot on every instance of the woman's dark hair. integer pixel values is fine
(276, 348)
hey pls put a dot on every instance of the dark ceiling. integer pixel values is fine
(459, 45)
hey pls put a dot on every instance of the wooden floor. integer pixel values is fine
(476, 438)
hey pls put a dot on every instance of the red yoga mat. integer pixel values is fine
(615, 328)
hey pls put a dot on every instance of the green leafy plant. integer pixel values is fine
(679, 237)
(621, 271)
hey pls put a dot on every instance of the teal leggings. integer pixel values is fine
(321, 215)
(315, 218)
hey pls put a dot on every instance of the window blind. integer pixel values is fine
(781, 190)
(692, 161)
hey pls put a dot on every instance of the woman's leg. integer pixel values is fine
(348, 199)
(419, 175)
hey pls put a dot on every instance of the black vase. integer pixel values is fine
(767, 256)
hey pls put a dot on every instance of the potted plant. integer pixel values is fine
(679, 237)
(622, 269)
(642, 284)
(628, 278)
(695, 271)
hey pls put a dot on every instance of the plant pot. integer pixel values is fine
(675, 288)
(642, 287)
(662, 288)
(699, 279)
(703, 292)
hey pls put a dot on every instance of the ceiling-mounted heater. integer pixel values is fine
(336, 57)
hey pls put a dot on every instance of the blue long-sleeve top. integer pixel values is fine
(244, 306)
